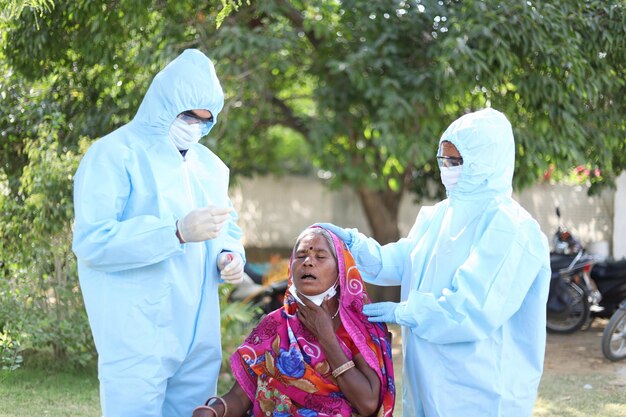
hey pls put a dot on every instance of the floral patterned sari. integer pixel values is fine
(282, 367)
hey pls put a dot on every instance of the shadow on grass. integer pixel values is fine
(578, 396)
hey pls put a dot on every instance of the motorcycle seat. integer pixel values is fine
(560, 261)
(609, 270)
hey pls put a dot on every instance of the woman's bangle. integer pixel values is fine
(343, 368)
(205, 407)
(220, 399)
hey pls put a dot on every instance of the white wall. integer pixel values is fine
(589, 218)
(274, 210)
(619, 231)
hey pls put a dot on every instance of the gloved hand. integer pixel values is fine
(343, 234)
(381, 312)
(203, 223)
(230, 265)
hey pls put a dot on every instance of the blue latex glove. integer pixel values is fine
(381, 312)
(343, 234)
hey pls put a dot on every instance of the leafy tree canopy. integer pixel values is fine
(371, 86)
(359, 90)
(387, 78)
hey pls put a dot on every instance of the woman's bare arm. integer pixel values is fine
(359, 384)
(237, 401)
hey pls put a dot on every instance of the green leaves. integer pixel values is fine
(323, 74)
(358, 91)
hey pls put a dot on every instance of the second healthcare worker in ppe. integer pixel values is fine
(154, 234)
(474, 273)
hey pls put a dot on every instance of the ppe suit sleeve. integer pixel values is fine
(380, 265)
(101, 240)
(386, 265)
(487, 289)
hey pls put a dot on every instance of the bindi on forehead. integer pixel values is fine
(313, 245)
(312, 249)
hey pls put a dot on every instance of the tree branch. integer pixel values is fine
(289, 118)
(295, 17)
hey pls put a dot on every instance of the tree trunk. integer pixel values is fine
(381, 209)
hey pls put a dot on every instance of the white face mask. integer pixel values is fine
(316, 299)
(450, 176)
(184, 135)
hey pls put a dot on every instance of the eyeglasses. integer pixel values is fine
(191, 118)
(449, 161)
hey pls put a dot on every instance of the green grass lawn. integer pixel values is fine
(36, 392)
(581, 396)
(27, 392)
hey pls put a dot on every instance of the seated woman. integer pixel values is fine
(317, 355)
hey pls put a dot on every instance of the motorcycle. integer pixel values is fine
(581, 288)
(261, 287)
(571, 293)
(614, 336)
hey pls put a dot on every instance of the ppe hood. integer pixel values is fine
(485, 141)
(188, 82)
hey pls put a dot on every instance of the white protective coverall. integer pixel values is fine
(153, 302)
(474, 273)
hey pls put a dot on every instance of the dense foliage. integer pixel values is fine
(384, 79)
(356, 91)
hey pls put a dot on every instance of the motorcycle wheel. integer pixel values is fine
(614, 337)
(575, 314)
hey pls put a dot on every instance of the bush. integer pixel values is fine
(237, 320)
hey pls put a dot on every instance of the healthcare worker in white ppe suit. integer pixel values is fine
(154, 234)
(474, 274)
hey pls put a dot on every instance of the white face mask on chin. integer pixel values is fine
(184, 135)
(315, 299)
(450, 176)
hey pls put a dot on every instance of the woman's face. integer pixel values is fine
(314, 268)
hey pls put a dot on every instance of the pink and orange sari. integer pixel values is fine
(283, 369)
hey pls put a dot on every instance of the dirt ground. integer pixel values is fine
(585, 348)
(581, 353)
